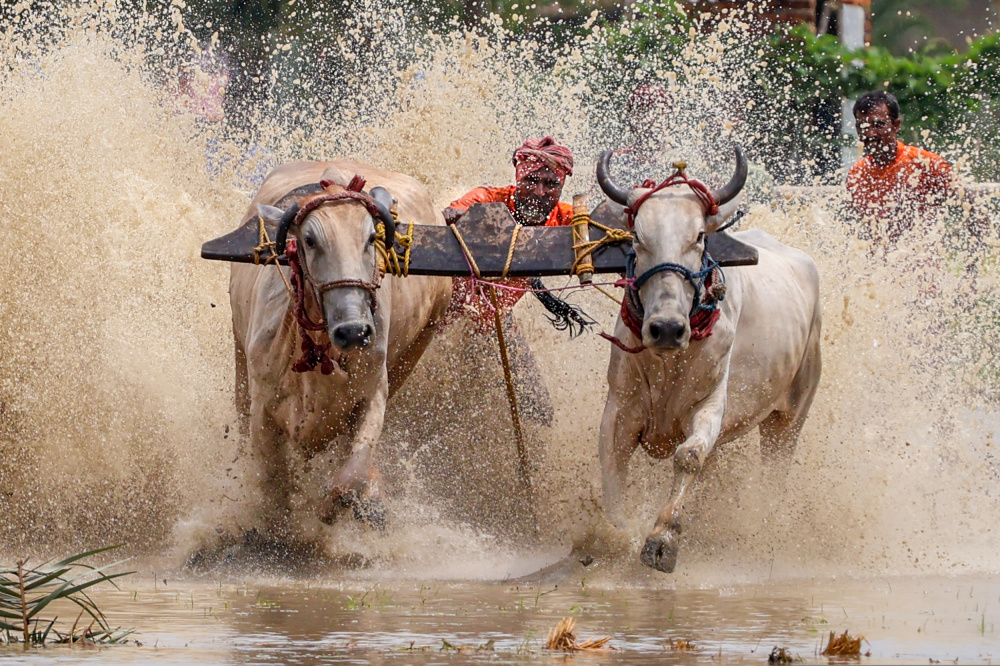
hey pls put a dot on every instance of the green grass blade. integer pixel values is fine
(66, 592)
(45, 636)
(40, 579)
(79, 556)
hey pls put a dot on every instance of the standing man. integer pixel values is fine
(540, 170)
(892, 181)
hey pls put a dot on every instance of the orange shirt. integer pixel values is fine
(464, 299)
(915, 183)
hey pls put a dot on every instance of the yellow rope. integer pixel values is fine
(510, 250)
(465, 249)
(406, 242)
(580, 219)
(390, 258)
(264, 242)
(598, 288)
(611, 235)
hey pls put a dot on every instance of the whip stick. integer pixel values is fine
(523, 470)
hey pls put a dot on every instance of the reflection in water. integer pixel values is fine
(904, 620)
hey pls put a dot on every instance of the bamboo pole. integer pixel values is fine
(581, 236)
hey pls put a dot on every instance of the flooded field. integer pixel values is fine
(903, 620)
(117, 422)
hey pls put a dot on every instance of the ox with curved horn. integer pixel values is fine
(692, 335)
(316, 360)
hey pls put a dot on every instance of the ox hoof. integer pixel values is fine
(368, 510)
(660, 552)
(371, 512)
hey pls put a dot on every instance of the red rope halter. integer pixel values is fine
(704, 195)
(314, 354)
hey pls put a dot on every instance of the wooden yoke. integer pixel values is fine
(583, 264)
(485, 231)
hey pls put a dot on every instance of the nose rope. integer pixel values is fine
(314, 354)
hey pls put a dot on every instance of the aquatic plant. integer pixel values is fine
(25, 591)
(681, 645)
(780, 655)
(562, 637)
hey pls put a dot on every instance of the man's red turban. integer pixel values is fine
(545, 152)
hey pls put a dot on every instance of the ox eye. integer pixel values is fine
(701, 236)
(371, 239)
(310, 243)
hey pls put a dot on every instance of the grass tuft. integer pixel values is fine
(25, 591)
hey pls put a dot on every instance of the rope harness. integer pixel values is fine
(709, 282)
(315, 354)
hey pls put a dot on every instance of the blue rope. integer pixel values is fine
(697, 279)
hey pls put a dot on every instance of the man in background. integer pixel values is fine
(894, 183)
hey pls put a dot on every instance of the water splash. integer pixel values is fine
(116, 391)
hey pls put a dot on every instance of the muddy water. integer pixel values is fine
(904, 620)
(116, 416)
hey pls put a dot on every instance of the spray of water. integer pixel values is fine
(116, 416)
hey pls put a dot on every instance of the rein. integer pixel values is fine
(709, 282)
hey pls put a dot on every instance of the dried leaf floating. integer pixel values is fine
(680, 645)
(562, 637)
(844, 645)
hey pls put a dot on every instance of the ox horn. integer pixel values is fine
(728, 192)
(383, 203)
(286, 221)
(615, 192)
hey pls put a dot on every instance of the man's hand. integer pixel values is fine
(452, 215)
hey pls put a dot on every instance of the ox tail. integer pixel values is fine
(564, 316)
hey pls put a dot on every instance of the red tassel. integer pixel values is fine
(327, 366)
(357, 183)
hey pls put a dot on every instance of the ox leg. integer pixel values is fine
(779, 432)
(660, 549)
(271, 476)
(242, 393)
(619, 438)
(356, 485)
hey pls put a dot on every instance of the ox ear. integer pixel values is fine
(726, 210)
(270, 214)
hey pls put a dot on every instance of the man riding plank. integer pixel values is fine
(541, 167)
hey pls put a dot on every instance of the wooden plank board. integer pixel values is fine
(487, 230)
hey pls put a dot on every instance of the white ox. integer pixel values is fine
(374, 351)
(759, 368)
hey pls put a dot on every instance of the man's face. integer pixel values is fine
(536, 195)
(878, 131)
